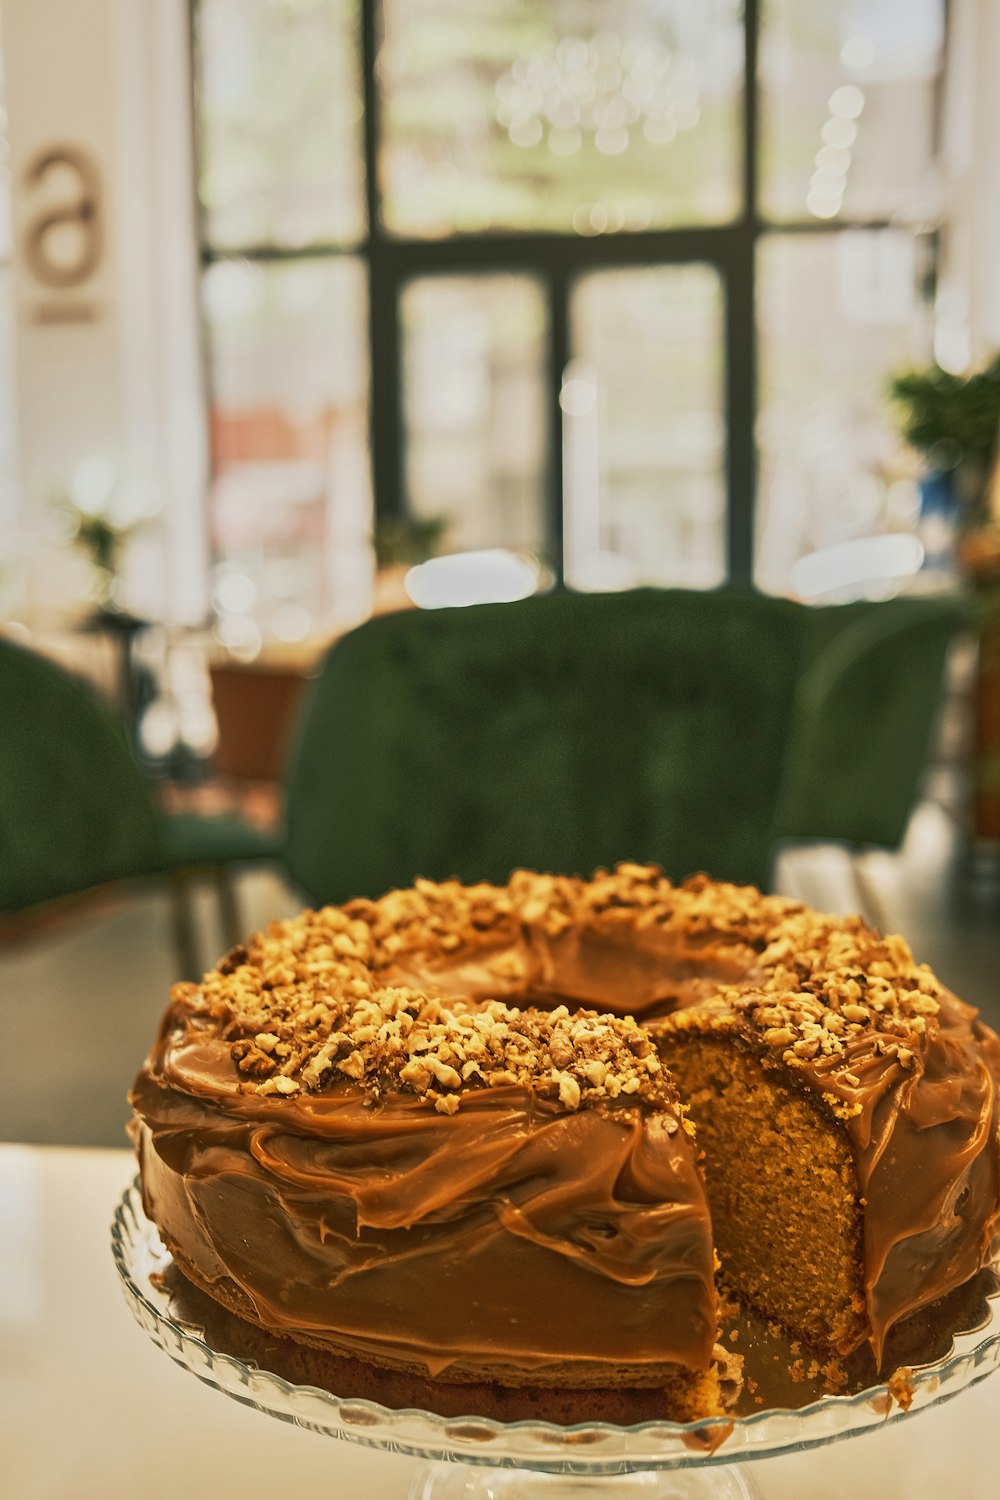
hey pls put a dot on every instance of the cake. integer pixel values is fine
(423, 1139)
(418, 1186)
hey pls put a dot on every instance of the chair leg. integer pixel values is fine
(870, 903)
(185, 945)
(229, 910)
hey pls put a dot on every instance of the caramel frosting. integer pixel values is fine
(389, 1128)
(535, 1216)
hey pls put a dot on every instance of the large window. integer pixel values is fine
(617, 282)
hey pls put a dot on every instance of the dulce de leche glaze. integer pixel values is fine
(926, 1145)
(512, 1236)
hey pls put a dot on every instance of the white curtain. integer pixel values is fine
(968, 329)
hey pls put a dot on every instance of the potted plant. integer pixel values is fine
(400, 542)
(954, 421)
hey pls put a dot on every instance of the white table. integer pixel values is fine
(90, 1408)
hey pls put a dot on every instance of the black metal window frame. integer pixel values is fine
(557, 260)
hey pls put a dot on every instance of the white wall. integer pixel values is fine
(108, 364)
(969, 296)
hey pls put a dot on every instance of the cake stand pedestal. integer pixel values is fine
(476, 1458)
(450, 1481)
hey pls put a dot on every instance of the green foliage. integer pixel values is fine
(954, 417)
(101, 540)
(408, 540)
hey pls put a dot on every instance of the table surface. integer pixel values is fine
(90, 1407)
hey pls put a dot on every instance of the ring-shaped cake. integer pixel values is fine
(486, 1148)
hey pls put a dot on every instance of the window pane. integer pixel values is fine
(847, 107)
(279, 111)
(290, 505)
(838, 314)
(643, 430)
(614, 114)
(474, 408)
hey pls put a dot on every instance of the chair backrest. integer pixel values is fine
(562, 733)
(75, 810)
(866, 710)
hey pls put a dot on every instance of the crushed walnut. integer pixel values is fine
(442, 921)
(829, 995)
(329, 993)
(434, 918)
(300, 1008)
(841, 993)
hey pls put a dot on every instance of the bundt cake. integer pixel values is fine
(423, 1138)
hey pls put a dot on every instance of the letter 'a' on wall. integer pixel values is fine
(64, 241)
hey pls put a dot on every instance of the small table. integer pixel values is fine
(89, 1407)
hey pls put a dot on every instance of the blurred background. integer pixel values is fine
(312, 310)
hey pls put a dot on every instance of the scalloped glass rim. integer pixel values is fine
(589, 1447)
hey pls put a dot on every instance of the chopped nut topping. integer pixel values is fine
(306, 1006)
(569, 1089)
(352, 992)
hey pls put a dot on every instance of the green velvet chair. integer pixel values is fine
(866, 710)
(76, 811)
(696, 730)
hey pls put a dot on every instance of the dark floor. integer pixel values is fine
(80, 1001)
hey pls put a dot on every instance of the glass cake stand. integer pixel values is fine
(474, 1458)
